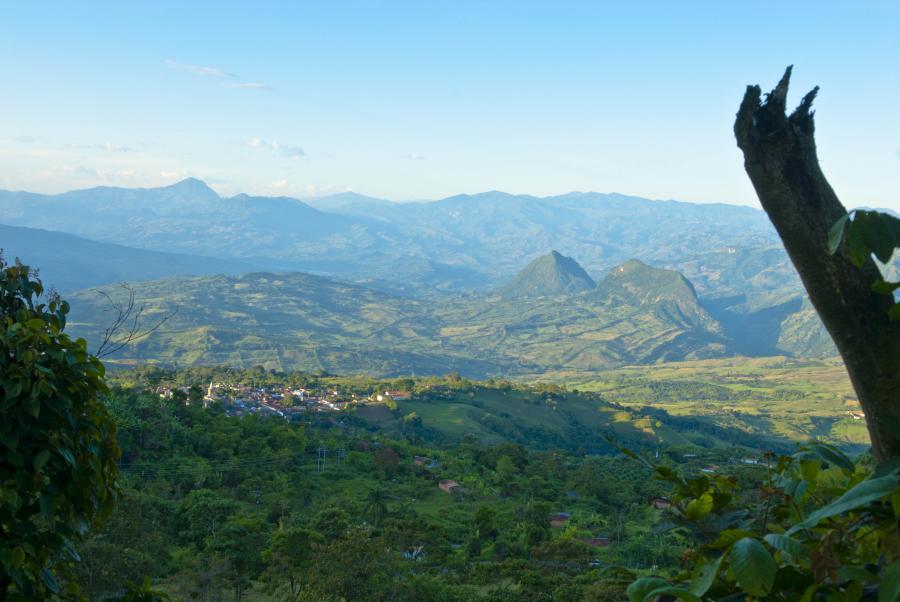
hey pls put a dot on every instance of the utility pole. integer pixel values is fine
(342, 453)
(320, 459)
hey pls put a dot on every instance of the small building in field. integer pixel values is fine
(559, 520)
(449, 485)
(597, 542)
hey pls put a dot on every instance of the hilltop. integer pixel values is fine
(551, 274)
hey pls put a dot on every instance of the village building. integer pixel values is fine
(449, 486)
(559, 520)
(597, 542)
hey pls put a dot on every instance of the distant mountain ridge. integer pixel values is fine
(68, 262)
(464, 243)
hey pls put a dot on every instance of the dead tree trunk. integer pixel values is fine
(780, 158)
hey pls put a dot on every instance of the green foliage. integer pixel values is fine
(823, 527)
(865, 233)
(58, 450)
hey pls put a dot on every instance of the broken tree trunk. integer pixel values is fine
(780, 158)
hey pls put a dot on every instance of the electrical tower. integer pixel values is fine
(320, 459)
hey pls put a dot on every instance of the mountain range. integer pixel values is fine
(465, 242)
(636, 314)
(463, 254)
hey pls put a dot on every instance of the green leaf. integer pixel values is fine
(894, 312)
(32, 406)
(641, 588)
(889, 591)
(700, 507)
(753, 566)
(885, 287)
(836, 234)
(40, 460)
(66, 453)
(864, 493)
(681, 594)
(832, 455)
(787, 545)
(854, 572)
(49, 580)
(728, 537)
(810, 592)
(705, 575)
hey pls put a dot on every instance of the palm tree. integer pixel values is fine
(376, 505)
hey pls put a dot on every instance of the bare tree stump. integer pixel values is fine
(780, 158)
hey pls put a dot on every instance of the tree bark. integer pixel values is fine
(780, 158)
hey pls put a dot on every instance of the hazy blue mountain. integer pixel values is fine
(551, 274)
(462, 242)
(68, 262)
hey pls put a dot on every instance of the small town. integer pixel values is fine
(278, 400)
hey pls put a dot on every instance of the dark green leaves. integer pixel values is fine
(864, 493)
(787, 545)
(868, 233)
(49, 389)
(753, 566)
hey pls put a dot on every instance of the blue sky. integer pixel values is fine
(416, 100)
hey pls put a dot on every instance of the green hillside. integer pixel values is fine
(795, 400)
(296, 320)
(549, 418)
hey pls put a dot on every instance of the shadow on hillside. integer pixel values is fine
(751, 333)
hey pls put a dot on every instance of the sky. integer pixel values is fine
(423, 100)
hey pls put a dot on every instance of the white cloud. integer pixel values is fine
(415, 157)
(282, 150)
(279, 184)
(199, 69)
(171, 174)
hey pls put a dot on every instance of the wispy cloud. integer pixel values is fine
(415, 157)
(248, 86)
(200, 69)
(106, 146)
(282, 150)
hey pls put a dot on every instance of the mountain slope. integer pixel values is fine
(292, 320)
(68, 262)
(551, 274)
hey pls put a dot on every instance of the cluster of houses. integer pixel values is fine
(281, 401)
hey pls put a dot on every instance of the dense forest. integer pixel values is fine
(325, 507)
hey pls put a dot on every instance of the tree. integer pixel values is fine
(241, 541)
(376, 504)
(387, 460)
(780, 158)
(287, 552)
(58, 450)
